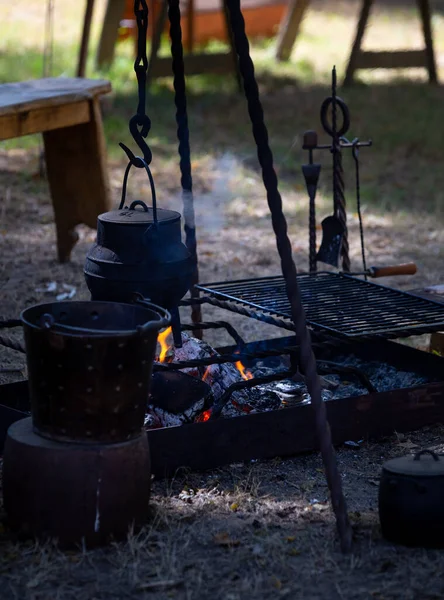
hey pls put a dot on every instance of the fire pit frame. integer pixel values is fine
(288, 431)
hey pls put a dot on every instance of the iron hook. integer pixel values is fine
(355, 149)
(139, 136)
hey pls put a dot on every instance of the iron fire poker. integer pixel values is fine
(334, 227)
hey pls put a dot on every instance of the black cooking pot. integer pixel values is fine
(411, 494)
(139, 249)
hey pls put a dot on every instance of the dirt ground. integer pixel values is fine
(258, 530)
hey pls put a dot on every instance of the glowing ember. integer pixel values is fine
(165, 344)
(205, 416)
(246, 408)
(245, 374)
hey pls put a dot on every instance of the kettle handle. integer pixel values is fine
(165, 317)
(139, 202)
(419, 454)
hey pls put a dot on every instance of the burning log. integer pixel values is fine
(162, 411)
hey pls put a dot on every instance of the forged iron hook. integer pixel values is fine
(136, 161)
(139, 127)
(355, 149)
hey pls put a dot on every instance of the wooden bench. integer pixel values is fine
(67, 112)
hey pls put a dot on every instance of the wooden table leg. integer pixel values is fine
(158, 29)
(289, 28)
(110, 31)
(356, 48)
(426, 23)
(78, 177)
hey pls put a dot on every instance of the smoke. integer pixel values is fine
(210, 206)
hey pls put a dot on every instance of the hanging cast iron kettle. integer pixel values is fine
(411, 494)
(139, 249)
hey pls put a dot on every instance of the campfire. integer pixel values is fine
(232, 389)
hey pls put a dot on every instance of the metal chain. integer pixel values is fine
(140, 123)
(183, 136)
(307, 358)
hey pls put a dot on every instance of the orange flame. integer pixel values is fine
(244, 373)
(164, 344)
(207, 372)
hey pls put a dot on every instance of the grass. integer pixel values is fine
(401, 173)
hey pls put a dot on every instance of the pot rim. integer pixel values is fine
(163, 320)
(411, 466)
(165, 217)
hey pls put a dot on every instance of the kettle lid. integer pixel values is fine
(146, 215)
(430, 465)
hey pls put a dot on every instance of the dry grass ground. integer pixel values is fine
(259, 530)
(264, 529)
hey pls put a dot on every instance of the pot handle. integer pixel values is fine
(421, 452)
(135, 203)
(165, 319)
(139, 202)
(47, 321)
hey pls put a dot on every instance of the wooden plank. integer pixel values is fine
(78, 177)
(51, 91)
(194, 65)
(400, 59)
(289, 28)
(17, 124)
(110, 28)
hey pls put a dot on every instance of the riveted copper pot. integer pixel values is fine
(89, 366)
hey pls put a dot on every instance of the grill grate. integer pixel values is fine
(337, 303)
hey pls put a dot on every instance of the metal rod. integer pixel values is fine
(219, 404)
(307, 359)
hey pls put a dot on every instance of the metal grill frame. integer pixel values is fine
(233, 301)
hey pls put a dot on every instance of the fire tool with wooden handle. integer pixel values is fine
(390, 271)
